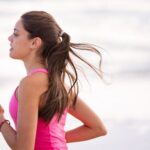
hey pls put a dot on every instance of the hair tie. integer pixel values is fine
(61, 33)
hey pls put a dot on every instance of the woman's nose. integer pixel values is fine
(10, 38)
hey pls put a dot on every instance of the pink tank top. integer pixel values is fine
(48, 137)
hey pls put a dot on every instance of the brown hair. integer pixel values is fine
(56, 53)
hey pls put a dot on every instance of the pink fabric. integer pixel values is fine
(48, 137)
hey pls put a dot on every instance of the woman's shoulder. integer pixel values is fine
(35, 79)
(35, 82)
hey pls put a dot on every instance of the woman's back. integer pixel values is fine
(51, 136)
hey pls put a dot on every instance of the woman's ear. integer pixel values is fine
(36, 43)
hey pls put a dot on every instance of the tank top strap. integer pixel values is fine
(38, 70)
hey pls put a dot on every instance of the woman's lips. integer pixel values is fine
(11, 49)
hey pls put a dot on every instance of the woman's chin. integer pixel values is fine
(11, 55)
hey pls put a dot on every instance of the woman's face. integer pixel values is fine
(20, 44)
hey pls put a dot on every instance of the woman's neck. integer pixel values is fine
(30, 67)
(32, 63)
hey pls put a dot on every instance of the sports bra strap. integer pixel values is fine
(39, 70)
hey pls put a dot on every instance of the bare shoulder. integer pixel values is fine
(35, 80)
(33, 86)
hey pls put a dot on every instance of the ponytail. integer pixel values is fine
(57, 96)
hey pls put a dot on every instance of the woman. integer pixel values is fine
(40, 103)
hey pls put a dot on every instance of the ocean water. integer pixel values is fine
(122, 29)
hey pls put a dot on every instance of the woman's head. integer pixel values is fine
(44, 32)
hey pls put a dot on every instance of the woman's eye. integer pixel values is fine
(15, 34)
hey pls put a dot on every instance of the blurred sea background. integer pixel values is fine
(122, 29)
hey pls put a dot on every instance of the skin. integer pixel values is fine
(28, 95)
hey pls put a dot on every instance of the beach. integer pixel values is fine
(122, 29)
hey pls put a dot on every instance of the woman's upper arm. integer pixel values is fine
(28, 98)
(86, 115)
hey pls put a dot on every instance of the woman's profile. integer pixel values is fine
(42, 99)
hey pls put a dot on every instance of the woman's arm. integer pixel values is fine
(7, 131)
(29, 92)
(92, 125)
